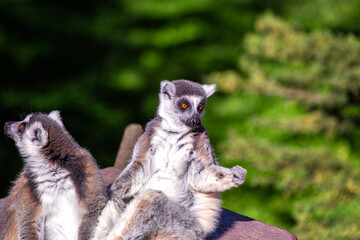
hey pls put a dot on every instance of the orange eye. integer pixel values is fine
(184, 105)
(21, 127)
(201, 107)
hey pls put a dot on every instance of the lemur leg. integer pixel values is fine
(152, 215)
(215, 178)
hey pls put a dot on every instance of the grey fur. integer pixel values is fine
(163, 217)
(186, 87)
(51, 157)
(174, 156)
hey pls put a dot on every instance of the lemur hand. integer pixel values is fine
(239, 174)
(119, 190)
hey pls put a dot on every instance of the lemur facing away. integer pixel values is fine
(174, 157)
(60, 192)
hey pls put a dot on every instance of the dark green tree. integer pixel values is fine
(296, 125)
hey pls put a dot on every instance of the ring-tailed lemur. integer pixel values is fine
(60, 192)
(174, 156)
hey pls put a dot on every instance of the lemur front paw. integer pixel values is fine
(239, 174)
(119, 190)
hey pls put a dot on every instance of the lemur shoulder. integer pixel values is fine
(174, 157)
(60, 192)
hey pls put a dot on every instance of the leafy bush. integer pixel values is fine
(291, 113)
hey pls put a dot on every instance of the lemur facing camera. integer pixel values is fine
(174, 157)
(60, 192)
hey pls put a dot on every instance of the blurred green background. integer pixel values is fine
(287, 106)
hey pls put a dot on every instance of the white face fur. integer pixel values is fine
(183, 111)
(29, 134)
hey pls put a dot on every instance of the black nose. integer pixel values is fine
(193, 121)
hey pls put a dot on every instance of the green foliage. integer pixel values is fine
(289, 113)
(325, 14)
(297, 97)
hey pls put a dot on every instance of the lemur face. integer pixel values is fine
(190, 109)
(184, 101)
(31, 133)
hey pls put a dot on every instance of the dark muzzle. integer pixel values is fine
(194, 121)
(7, 128)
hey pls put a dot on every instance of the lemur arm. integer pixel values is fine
(23, 220)
(205, 175)
(29, 228)
(134, 176)
(214, 178)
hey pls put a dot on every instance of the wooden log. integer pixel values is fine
(131, 134)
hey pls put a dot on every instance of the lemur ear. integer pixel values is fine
(37, 135)
(209, 89)
(40, 135)
(167, 88)
(55, 115)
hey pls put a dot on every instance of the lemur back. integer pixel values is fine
(174, 157)
(60, 192)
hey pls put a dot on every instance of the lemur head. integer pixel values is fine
(35, 132)
(182, 102)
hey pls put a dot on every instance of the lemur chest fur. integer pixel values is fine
(60, 207)
(170, 155)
